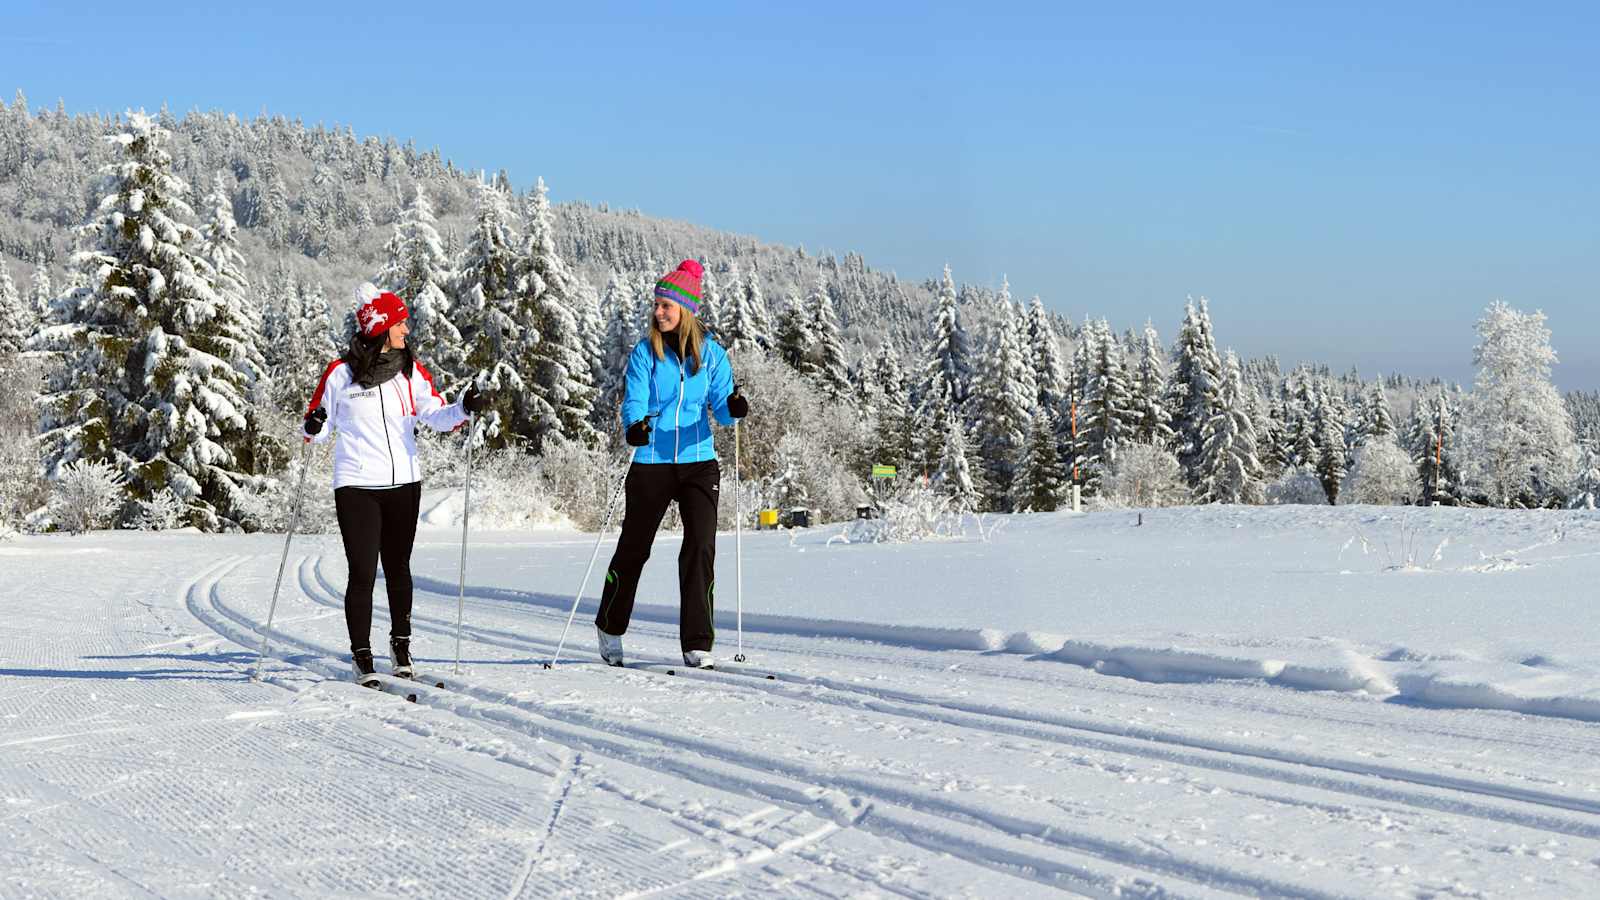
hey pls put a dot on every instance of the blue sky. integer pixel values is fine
(1349, 185)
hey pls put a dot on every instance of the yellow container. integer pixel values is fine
(767, 518)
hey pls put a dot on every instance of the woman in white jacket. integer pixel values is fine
(374, 395)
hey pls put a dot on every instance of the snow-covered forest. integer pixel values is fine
(170, 289)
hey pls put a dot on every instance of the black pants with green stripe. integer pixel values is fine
(649, 489)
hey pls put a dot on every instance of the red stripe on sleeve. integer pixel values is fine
(316, 398)
(428, 377)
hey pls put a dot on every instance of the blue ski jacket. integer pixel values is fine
(678, 400)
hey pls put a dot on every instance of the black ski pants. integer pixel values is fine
(377, 523)
(649, 488)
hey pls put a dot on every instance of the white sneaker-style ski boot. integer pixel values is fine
(400, 656)
(610, 647)
(698, 659)
(361, 664)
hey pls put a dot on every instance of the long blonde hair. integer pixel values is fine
(691, 335)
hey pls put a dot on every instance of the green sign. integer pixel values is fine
(883, 471)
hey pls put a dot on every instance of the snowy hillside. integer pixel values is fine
(1293, 701)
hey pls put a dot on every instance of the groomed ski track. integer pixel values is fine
(863, 769)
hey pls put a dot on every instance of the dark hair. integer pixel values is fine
(362, 354)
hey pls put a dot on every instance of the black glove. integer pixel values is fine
(738, 406)
(473, 401)
(315, 419)
(639, 433)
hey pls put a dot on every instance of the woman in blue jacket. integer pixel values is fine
(676, 377)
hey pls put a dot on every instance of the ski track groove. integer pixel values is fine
(1015, 847)
(319, 662)
(915, 803)
(981, 665)
(1145, 742)
(562, 788)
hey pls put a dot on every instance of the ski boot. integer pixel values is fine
(698, 659)
(610, 647)
(400, 656)
(365, 671)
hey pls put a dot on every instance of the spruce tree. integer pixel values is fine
(738, 334)
(1191, 393)
(791, 341)
(827, 348)
(138, 383)
(1106, 416)
(235, 331)
(500, 334)
(41, 295)
(1152, 424)
(1229, 466)
(1006, 395)
(560, 379)
(417, 270)
(954, 475)
(15, 322)
(621, 334)
(1049, 371)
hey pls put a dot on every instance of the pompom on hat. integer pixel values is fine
(378, 311)
(682, 285)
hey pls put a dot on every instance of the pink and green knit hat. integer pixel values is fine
(682, 285)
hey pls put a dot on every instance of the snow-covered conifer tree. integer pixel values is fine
(15, 322)
(500, 334)
(560, 380)
(417, 269)
(827, 349)
(139, 382)
(1152, 424)
(1230, 471)
(1192, 391)
(1005, 396)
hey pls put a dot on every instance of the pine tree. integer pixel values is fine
(738, 335)
(417, 270)
(887, 404)
(1152, 424)
(791, 342)
(827, 348)
(954, 477)
(621, 334)
(755, 307)
(15, 324)
(500, 334)
(1043, 481)
(1433, 448)
(1050, 372)
(137, 384)
(1328, 428)
(1191, 394)
(1377, 421)
(41, 295)
(946, 372)
(563, 393)
(1106, 415)
(1229, 466)
(235, 329)
(1006, 395)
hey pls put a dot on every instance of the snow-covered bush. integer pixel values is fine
(794, 442)
(915, 512)
(1143, 476)
(270, 506)
(162, 512)
(86, 496)
(578, 480)
(1382, 474)
(1297, 485)
(509, 491)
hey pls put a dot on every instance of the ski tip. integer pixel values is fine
(672, 671)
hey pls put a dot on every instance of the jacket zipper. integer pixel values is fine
(383, 409)
(677, 422)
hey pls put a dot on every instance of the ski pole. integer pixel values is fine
(294, 520)
(611, 507)
(466, 512)
(738, 547)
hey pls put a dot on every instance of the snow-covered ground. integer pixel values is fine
(1323, 702)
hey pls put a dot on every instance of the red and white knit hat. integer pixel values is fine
(378, 311)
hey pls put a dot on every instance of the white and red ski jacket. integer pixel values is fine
(377, 426)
